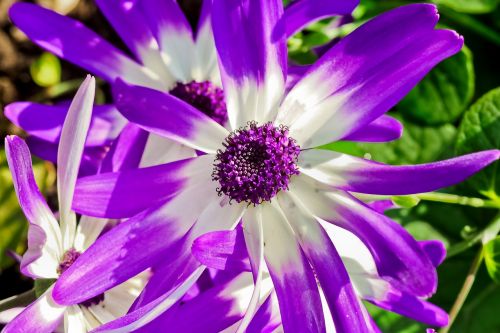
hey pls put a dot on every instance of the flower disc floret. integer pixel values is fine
(256, 163)
(205, 96)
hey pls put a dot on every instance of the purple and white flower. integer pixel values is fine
(54, 246)
(168, 55)
(265, 172)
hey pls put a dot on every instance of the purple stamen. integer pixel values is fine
(205, 96)
(256, 164)
(68, 259)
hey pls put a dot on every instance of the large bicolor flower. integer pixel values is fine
(53, 246)
(266, 172)
(167, 55)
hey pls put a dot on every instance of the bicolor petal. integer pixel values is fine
(252, 57)
(398, 256)
(222, 306)
(43, 316)
(360, 175)
(174, 35)
(365, 74)
(92, 273)
(293, 278)
(131, 24)
(126, 193)
(41, 260)
(168, 116)
(347, 312)
(72, 41)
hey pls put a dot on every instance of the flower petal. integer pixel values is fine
(73, 135)
(398, 256)
(126, 151)
(218, 215)
(226, 303)
(254, 239)
(365, 74)
(89, 228)
(301, 13)
(410, 306)
(168, 116)
(41, 260)
(91, 158)
(382, 129)
(72, 41)
(435, 250)
(359, 175)
(45, 121)
(43, 316)
(174, 35)
(139, 318)
(223, 250)
(267, 318)
(160, 150)
(205, 66)
(126, 193)
(252, 56)
(293, 278)
(347, 311)
(131, 24)
(132, 246)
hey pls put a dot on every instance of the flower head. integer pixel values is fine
(292, 187)
(54, 246)
(168, 54)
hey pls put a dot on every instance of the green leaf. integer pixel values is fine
(480, 130)
(444, 93)
(470, 6)
(492, 258)
(13, 225)
(46, 70)
(419, 144)
(41, 286)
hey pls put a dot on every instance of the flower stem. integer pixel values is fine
(20, 300)
(464, 292)
(457, 200)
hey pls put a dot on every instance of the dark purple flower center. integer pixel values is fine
(256, 164)
(205, 96)
(68, 259)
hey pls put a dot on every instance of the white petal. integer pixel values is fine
(73, 135)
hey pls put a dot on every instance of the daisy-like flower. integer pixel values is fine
(266, 173)
(53, 247)
(167, 55)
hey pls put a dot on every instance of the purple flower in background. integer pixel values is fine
(167, 55)
(53, 247)
(265, 172)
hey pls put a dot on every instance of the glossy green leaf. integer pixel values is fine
(492, 258)
(470, 6)
(444, 94)
(46, 70)
(13, 225)
(480, 130)
(419, 144)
